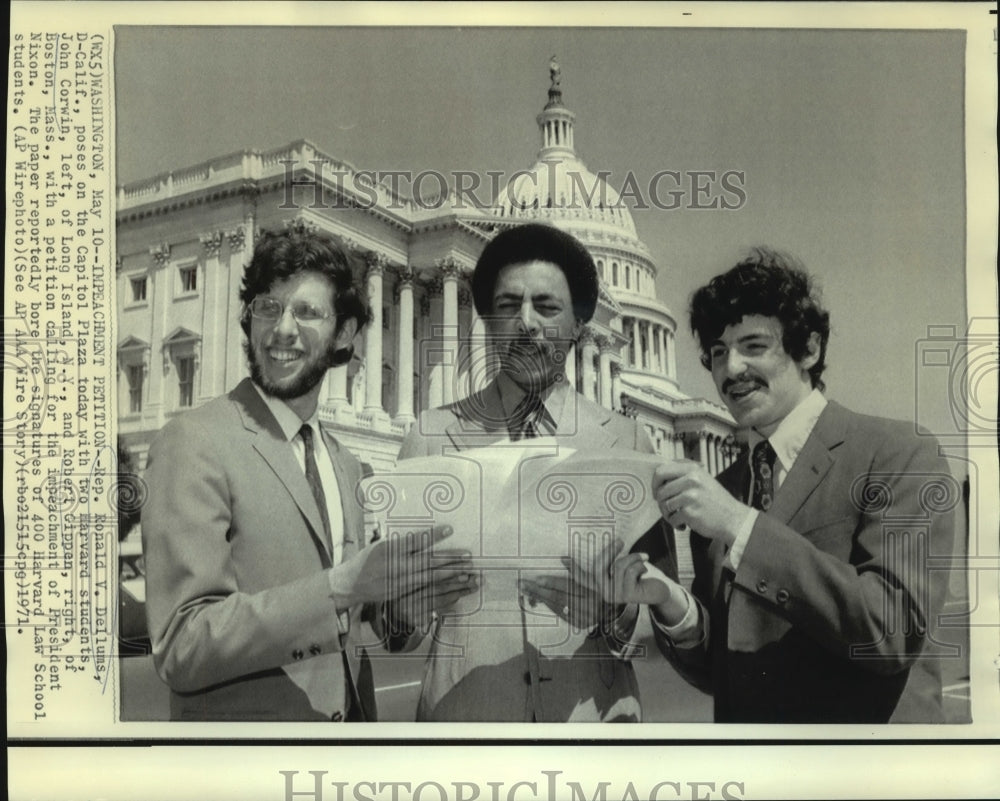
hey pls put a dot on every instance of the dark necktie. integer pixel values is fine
(763, 475)
(526, 417)
(312, 476)
(351, 703)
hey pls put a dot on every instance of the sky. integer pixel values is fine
(851, 142)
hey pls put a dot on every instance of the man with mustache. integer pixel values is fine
(258, 575)
(535, 288)
(812, 597)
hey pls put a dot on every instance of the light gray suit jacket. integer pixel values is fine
(235, 558)
(502, 673)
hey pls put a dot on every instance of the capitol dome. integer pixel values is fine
(631, 321)
(559, 186)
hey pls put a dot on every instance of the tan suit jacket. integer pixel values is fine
(537, 669)
(235, 558)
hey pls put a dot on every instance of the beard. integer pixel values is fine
(311, 376)
(533, 365)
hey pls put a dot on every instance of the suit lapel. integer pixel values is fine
(274, 449)
(346, 485)
(481, 421)
(811, 465)
(585, 424)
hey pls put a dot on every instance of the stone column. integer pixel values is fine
(404, 382)
(215, 303)
(636, 349)
(569, 368)
(240, 242)
(605, 372)
(450, 272)
(702, 449)
(729, 450)
(336, 387)
(616, 386)
(373, 336)
(588, 349)
(482, 363)
(661, 340)
(431, 350)
(671, 356)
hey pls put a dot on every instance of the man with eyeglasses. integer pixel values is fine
(258, 573)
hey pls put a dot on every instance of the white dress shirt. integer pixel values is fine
(290, 423)
(787, 440)
(311, 675)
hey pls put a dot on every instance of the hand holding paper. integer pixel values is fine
(621, 578)
(565, 598)
(520, 510)
(404, 567)
(688, 495)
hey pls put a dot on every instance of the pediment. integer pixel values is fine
(132, 343)
(180, 335)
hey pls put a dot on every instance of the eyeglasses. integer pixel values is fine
(271, 309)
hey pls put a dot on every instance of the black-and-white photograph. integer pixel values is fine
(473, 376)
(493, 235)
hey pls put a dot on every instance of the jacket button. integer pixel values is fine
(337, 716)
(527, 677)
(314, 649)
(297, 653)
(762, 586)
(782, 596)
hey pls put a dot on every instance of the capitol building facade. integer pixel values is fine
(183, 239)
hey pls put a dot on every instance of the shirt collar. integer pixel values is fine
(553, 398)
(288, 421)
(791, 434)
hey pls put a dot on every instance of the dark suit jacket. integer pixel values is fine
(832, 600)
(501, 673)
(235, 579)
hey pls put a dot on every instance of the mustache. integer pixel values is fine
(529, 346)
(746, 378)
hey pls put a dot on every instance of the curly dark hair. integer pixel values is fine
(537, 242)
(771, 284)
(278, 255)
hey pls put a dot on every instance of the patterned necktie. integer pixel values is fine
(312, 476)
(763, 475)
